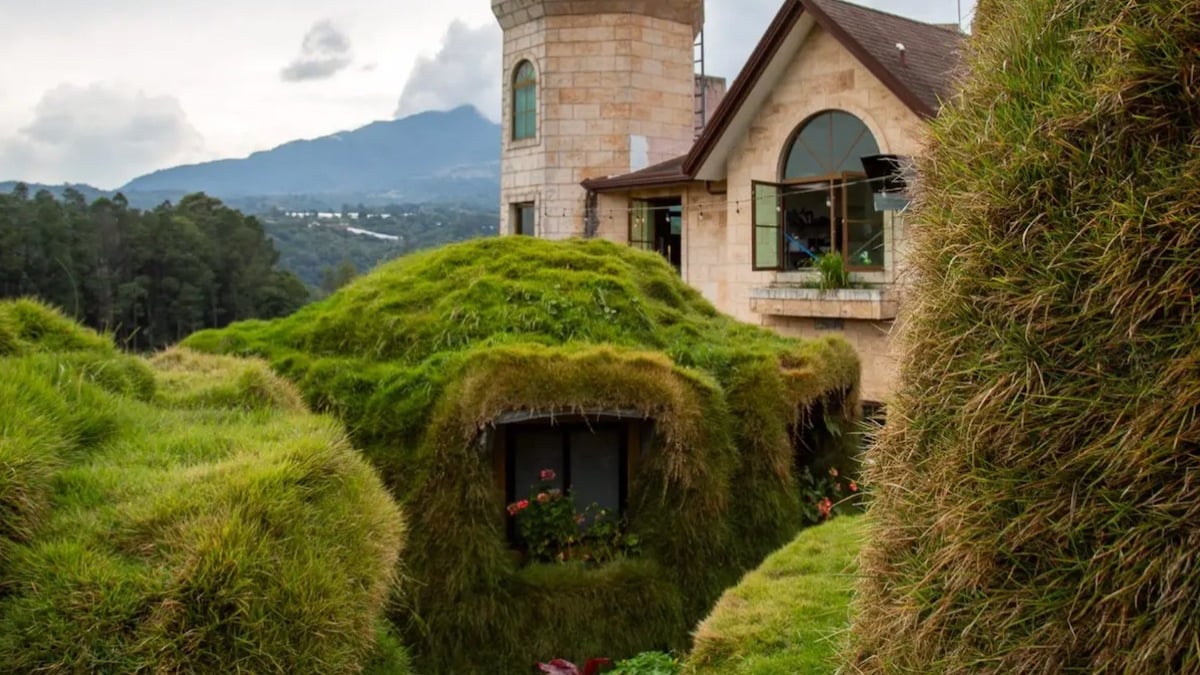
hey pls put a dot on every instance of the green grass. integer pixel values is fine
(421, 357)
(1036, 487)
(788, 616)
(185, 514)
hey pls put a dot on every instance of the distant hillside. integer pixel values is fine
(428, 156)
(89, 193)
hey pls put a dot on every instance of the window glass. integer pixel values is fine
(640, 235)
(533, 451)
(864, 227)
(524, 103)
(766, 227)
(524, 215)
(596, 469)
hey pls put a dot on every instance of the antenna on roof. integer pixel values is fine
(960, 15)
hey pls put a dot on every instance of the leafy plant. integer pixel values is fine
(833, 271)
(826, 496)
(647, 663)
(564, 667)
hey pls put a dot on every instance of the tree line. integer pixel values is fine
(148, 277)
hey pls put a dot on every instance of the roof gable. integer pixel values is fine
(919, 80)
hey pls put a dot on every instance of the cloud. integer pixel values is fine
(100, 134)
(324, 53)
(466, 69)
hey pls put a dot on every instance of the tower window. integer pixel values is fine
(524, 218)
(524, 103)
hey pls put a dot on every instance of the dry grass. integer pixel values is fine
(1038, 484)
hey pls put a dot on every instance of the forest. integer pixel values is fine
(149, 277)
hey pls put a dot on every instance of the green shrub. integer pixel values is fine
(137, 537)
(788, 616)
(1036, 483)
(647, 663)
(423, 357)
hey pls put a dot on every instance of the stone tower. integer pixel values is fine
(614, 92)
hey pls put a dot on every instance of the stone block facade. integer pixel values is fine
(615, 94)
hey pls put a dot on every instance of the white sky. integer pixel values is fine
(100, 91)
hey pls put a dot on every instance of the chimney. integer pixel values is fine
(900, 48)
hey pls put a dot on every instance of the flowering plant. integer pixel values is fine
(552, 530)
(825, 497)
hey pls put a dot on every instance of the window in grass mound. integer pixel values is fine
(823, 455)
(823, 203)
(565, 484)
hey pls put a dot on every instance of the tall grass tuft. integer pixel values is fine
(184, 515)
(1038, 483)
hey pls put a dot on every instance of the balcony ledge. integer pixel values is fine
(861, 304)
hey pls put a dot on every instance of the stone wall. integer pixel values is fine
(615, 94)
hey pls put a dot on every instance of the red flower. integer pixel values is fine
(543, 497)
(523, 504)
(547, 474)
(853, 486)
(825, 507)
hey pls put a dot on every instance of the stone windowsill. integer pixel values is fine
(863, 304)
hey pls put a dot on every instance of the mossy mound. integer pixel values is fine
(425, 357)
(146, 525)
(1036, 486)
(788, 616)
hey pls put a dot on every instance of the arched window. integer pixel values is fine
(824, 202)
(524, 102)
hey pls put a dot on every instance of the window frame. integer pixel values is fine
(519, 221)
(566, 431)
(524, 107)
(837, 192)
(640, 209)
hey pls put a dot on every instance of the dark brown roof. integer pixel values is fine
(923, 77)
(921, 80)
(669, 172)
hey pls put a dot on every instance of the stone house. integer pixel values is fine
(611, 133)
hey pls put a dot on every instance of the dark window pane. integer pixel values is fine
(533, 451)
(830, 143)
(596, 469)
(806, 218)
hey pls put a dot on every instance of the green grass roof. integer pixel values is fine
(183, 514)
(422, 356)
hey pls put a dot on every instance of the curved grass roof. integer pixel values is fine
(183, 514)
(1036, 486)
(425, 355)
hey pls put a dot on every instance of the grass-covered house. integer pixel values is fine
(503, 386)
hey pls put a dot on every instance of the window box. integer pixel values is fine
(863, 304)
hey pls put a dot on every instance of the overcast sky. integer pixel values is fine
(100, 91)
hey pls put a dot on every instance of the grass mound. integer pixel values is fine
(148, 524)
(424, 359)
(789, 615)
(1037, 482)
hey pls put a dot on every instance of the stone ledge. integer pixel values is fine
(863, 304)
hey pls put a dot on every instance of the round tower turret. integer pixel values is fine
(591, 88)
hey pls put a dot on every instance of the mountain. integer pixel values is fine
(430, 155)
(89, 193)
